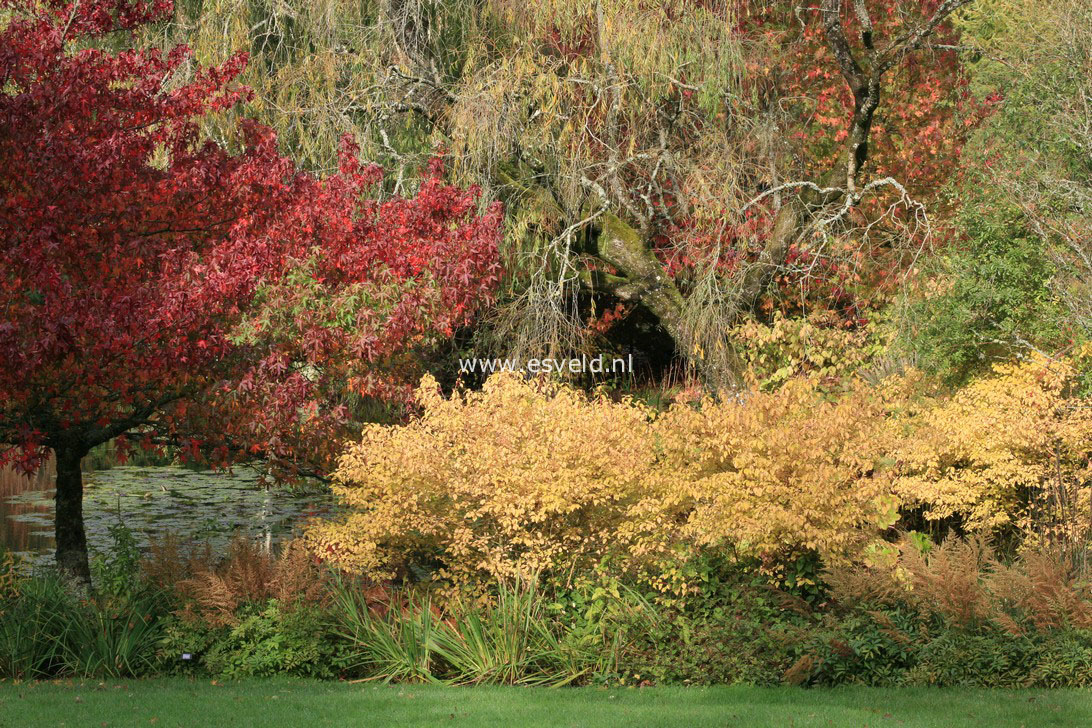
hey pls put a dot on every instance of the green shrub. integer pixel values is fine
(49, 627)
(961, 658)
(115, 573)
(898, 647)
(1065, 661)
(116, 632)
(267, 639)
(115, 638)
(859, 649)
(603, 622)
(185, 643)
(993, 299)
(733, 626)
(36, 628)
(736, 628)
(685, 650)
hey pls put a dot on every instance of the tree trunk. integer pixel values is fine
(68, 519)
(645, 280)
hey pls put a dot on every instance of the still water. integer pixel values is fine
(153, 501)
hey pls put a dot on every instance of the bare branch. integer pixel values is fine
(914, 39)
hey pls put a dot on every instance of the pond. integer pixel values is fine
(154, 501)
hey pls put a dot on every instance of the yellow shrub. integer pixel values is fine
(523, 477)
(516, 478)
(786, 470)
(1007, 451)
(815, 347)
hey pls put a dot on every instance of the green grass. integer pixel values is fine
(283, 702)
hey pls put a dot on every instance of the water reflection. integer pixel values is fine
(18, 533)
(153, 501)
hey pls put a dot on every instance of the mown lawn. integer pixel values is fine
(281, 702)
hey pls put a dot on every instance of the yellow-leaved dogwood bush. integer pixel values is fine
(1009, 451)
(523, 477)
(509, 480)
(526, 477)
(787, 470)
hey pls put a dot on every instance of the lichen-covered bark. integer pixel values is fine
(643, 279)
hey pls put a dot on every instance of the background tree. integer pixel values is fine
(1018, 276)
(672, 161)
(157, 286)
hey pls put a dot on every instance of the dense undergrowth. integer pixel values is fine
(527, 477)
(949, 614)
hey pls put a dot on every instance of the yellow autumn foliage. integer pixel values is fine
(1008, 452)
(815, 346)
(527, 476)
(524, 476)
(510, 480)
(786, 470)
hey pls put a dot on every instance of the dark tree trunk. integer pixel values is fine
(68, 520)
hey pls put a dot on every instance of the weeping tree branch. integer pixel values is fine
(621, 236)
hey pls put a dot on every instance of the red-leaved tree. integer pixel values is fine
(162, 288)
